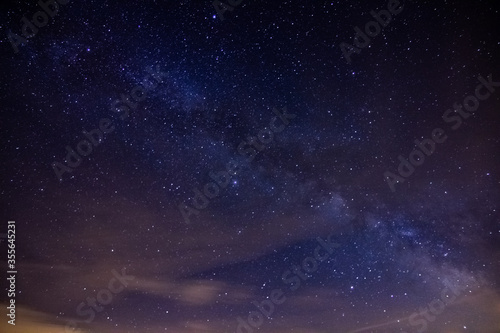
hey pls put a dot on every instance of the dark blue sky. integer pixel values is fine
(218, 94)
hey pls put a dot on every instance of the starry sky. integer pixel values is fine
(252, 166)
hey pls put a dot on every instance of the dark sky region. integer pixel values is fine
(265, 172)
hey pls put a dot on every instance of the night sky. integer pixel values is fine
(251, 166)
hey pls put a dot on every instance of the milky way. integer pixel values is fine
(251, 166)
